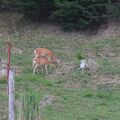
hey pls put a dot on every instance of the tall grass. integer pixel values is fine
(27, 106)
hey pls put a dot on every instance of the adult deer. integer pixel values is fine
(46, 53)
(43, 52)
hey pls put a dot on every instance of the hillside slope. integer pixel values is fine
(66, 93)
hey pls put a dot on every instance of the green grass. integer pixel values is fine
(85, 102)
(28, 105)
(77, 105)
(109, 66)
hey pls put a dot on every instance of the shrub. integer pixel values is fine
(77, 14)
(35, 9)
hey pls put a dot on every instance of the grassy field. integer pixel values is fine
(65, 93)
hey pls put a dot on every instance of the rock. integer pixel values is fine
(92, 65)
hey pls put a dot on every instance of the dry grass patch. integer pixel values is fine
(106, 80)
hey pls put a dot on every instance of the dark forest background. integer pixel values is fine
(71, 14)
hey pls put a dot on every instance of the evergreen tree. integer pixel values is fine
(72, 14)
(36, 9)
(76, 14)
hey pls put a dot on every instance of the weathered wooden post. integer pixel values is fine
(11, 94)
(9, 54)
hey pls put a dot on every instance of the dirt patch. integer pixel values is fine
(91, 65)
(17, 51)
(105, 80)
(72, 85)
(109, 51)
(107, 30)
(64, 69)
(18, 70)
(3, 111)
(89, 52)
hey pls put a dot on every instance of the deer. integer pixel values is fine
(42, 63)
(43, 52)
(46, 53)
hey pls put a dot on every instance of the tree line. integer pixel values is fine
(71, 14)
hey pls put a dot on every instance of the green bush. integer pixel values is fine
(35, 9)
(79, 14)
(7, 5)
(80, 56)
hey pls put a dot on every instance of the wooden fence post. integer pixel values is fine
(9, 54)
(11, 94)
(8, 64)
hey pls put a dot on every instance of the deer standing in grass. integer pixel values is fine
(42, 63)
(43, 52)
(43, 59)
